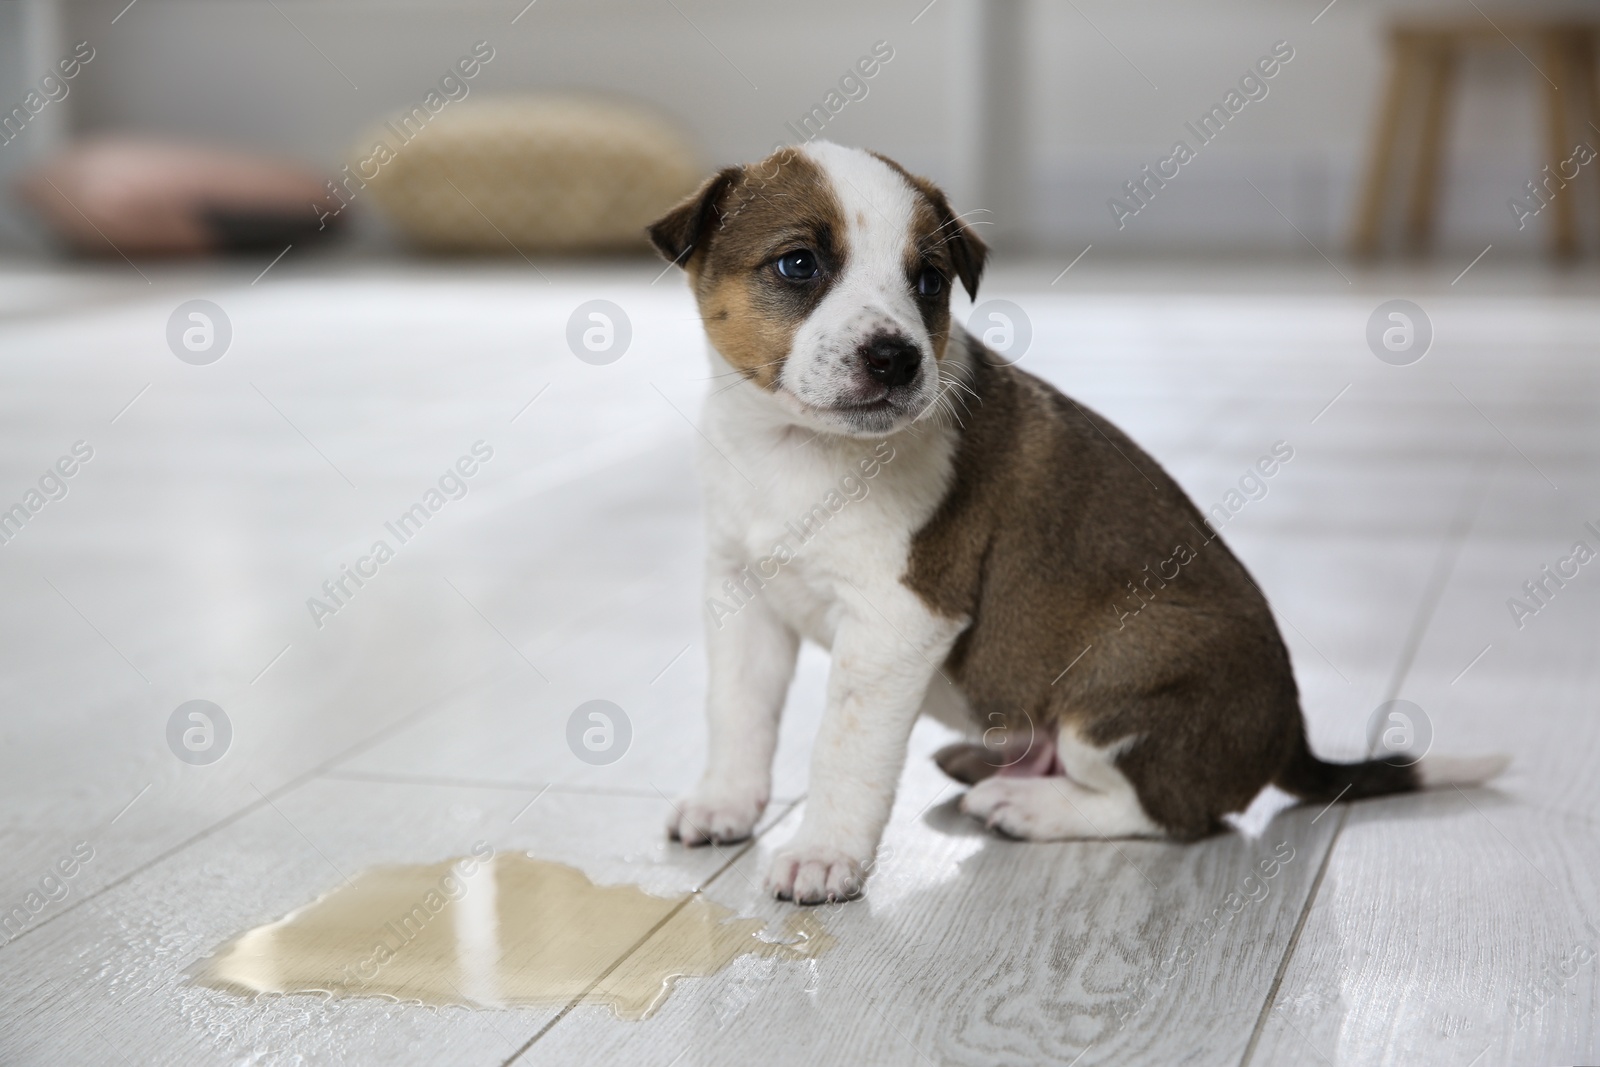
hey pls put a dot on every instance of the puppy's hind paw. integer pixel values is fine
(1014, 807)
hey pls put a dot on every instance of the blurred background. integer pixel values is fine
(1038, 112)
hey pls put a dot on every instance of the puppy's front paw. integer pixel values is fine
(814, 874)
(716, 815)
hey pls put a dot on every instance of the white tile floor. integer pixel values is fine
(431, 708)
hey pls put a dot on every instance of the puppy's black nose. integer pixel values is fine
(890, 360)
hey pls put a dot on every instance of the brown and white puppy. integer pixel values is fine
(957, 533)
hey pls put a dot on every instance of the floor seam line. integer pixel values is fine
(637, 945)
(1294, 939)
(505, 785)
(601, 977)
(508, 785)
(228, 820)
(1455, 540)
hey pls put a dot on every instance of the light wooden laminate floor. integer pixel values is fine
(430, 710)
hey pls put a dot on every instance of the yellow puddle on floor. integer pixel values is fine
(498, 930)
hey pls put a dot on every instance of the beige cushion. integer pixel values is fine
(545, 173)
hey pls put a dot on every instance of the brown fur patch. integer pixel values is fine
(929, 247)
(1060, 535)
(728, 237)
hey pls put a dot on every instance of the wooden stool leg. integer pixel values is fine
(1565, 242)
(1589, 109)
(1438, 64)
(1369, 218)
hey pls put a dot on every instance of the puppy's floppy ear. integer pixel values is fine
(967, 252)
(680, 231)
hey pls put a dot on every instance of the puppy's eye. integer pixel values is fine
(798, 266)
(931, 282)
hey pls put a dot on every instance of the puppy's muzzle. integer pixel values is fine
(890, 360)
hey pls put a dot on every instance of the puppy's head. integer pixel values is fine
(823, 276)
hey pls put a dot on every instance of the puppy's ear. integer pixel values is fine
(968, 253)
(680, 231)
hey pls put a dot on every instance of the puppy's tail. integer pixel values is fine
(1312, 779)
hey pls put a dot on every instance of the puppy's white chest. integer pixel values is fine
(818, 525)
(811, 525)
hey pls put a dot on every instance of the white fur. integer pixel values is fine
(1092, 800)
(770, 459)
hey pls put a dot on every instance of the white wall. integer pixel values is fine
(238, 71)
(1099, 120)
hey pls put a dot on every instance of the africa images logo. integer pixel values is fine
(453, 484)
(453, 87)
(1252, 86)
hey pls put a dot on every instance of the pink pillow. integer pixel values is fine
(151, 197)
